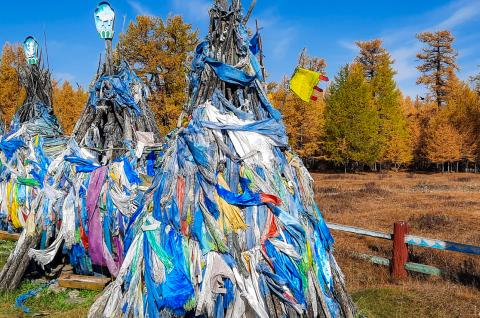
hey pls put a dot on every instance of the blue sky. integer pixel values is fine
(326, 28)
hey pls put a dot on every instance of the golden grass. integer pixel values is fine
(443, 206)
(438, 206)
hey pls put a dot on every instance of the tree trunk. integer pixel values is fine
(17, 263)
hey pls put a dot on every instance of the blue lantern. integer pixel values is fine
(105, 20)
(30, 47)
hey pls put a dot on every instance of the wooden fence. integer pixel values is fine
(399, 263)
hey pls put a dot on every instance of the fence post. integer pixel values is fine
(400, 251)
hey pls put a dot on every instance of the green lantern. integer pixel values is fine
(30, 47)
(105, 20)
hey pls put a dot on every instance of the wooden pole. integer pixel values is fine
(249, 12)
(400, 251)
(260, 45)
(108, 56)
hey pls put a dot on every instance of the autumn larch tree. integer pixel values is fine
(463, 113)
(371, 55)
(158, 51)
(475, 80)
(304, 121)
(68, 104)
(12, 93)
(443, 141)
(312, 63)
(438, 59)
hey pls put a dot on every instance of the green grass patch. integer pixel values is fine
(390, 302)
(5, 248)
(47, 303)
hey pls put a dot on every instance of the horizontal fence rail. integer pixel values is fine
(359, 231)
(399, 263)
(442, 245)
(413, 267)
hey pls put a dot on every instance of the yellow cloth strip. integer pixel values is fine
(13, 207)
(231, 216)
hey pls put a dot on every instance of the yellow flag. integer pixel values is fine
(304, 83)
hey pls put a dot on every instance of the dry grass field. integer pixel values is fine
(443, 206)
(438, 206)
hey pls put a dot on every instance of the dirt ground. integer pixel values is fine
(442, 206)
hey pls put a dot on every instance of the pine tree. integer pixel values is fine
(158, 51)
(11, 92)
(352, 122)
(438, 63)
(68, 104)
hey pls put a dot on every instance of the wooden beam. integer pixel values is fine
(374, 259)
(249, 12)
(412, 267)
(69, 280)
(410, 239)
(442, 245)
(359, 231)
(424, 269)
(6, 236)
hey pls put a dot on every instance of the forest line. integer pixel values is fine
(363, 122)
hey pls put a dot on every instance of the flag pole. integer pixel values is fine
(260, 46)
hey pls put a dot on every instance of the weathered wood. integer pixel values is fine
(442, 245)
(374, 259)
(260, 46)
(112, 125)
(412, 267)
(400, 251)
(17, 263)
(359, 231)
(424, 269)
(411, 239)
(4, 235)
(69, 280)
(108, 57)
(249, 12)
(341, 293)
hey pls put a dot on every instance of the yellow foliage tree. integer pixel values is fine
(443, 142)
(12, 93)
(419, 114)
(463, 111)
(68, 104)
(304, 121)
(158, 51)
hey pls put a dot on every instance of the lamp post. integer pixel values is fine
(104, 22)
